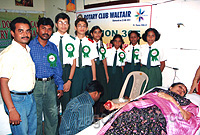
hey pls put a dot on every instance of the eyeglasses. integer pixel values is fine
(61, 23)
(81, 26)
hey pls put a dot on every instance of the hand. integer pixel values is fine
(194, 85)
(110, 107)
(186, 115)
(66, 86)
(60, 93)
(14, 117)
(165, 96)
(107, 78)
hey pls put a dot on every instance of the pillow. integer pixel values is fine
(194, 98)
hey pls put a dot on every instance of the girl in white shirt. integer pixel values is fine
(156, 63)
(101, 66)
(132, 59)
(115, 68)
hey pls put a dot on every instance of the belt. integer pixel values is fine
(83, 66)
(24, 93)
(44, 79)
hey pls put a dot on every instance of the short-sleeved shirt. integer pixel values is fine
(16, 64)
(120, 57)
(157, 54)
(47, 62)
(128, 50)
(101, 45)
(87, 56)
(78, 114)
(69, 51)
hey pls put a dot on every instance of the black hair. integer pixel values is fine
(137, 33)
(93, 29)
(177, 83)
(62, 16)
(117, 36)
(81, 20)
(157, 34)
(45, 21)
(18, 20)
(94, 86)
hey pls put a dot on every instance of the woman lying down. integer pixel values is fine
(159, 112)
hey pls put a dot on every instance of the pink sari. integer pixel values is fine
(175, 122)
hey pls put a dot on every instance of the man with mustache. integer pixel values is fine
(48, 73)
(17, 79)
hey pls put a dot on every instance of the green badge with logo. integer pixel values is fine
(154, 54)
(102, 51)
(52, 59)
(70, 49)
(86, 50)
(122, 56)
(136, 54)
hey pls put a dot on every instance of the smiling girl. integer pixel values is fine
(115, 68)
(156, 63)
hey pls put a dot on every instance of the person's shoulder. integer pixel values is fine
(88, 40)
(128, 48)
(73, 105)
(72, 37)
(8, 50)
(54, 36)
(52, 44)
(84, 98)
(32, 42)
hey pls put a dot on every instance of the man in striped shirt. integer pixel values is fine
(79, 111)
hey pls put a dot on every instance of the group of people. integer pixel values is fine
(35, 74)
(56, 68)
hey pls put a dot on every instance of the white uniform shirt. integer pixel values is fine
(16, 64)
(111, 54)
(128, 51)
(99, 46)
(157, 52)
(86, 61)
(66, 40)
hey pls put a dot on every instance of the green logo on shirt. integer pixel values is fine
(122, 56)
(86, 51)
(70, 49)
(52, 59)
(154, 53)
(102, 51)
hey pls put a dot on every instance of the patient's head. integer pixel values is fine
(178, 88)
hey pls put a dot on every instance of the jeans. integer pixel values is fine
(46, 101)
(26, 107)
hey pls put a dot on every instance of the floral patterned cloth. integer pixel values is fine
(145, 121)
(150, 115)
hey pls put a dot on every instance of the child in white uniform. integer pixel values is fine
(85, 66)
(115, 68)
(132, 59)
(101, 66)
(156, 63)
